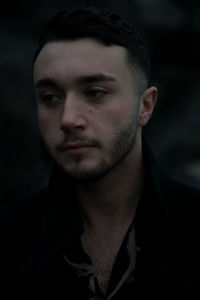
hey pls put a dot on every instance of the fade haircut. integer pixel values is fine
(105, 26)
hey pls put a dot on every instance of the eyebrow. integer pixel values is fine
(46, 82)
(85, 79)
(95, 78)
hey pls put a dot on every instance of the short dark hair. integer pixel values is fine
(103, 25)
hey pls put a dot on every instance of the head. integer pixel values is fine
(91, 73)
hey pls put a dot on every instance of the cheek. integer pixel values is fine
(43, 123)
(117, 117)
(48, 127)
(108, 123)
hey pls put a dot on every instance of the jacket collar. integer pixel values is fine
(151, 220)
(61, 224)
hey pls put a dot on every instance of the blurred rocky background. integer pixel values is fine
(172, 33)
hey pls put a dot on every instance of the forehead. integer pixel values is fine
(80, 57)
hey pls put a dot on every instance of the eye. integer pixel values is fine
(50, 98)
(95, 93)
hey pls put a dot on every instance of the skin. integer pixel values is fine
(91, 117)
(102, 116)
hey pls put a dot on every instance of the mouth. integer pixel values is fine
(77, 148)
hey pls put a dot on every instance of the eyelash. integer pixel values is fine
(90, 93)
(94, 93)
(48, 98)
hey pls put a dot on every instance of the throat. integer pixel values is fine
(102, 246)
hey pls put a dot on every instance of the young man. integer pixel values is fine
(110, 225)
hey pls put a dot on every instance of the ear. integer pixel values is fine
(147, 104)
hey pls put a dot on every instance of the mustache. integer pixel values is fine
(77, 138)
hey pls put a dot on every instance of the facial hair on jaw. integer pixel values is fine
(123, 142)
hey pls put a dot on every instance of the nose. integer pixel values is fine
(72, 114)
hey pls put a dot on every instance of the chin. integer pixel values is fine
(83, 174)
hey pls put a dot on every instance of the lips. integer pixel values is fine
(76, 148)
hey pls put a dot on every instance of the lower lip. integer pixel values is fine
(75, 151)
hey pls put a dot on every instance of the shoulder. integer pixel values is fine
(180, 195)
(19, 221)
(22, 211)
(182, 204)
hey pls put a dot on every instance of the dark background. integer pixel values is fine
(172, 32)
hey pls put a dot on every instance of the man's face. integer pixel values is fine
(87, 106)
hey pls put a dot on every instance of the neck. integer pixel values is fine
(113, 199)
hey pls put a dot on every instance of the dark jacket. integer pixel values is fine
(34, 231)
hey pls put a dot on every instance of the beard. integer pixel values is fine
(121, 145)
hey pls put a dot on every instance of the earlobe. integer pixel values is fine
(148, 101)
